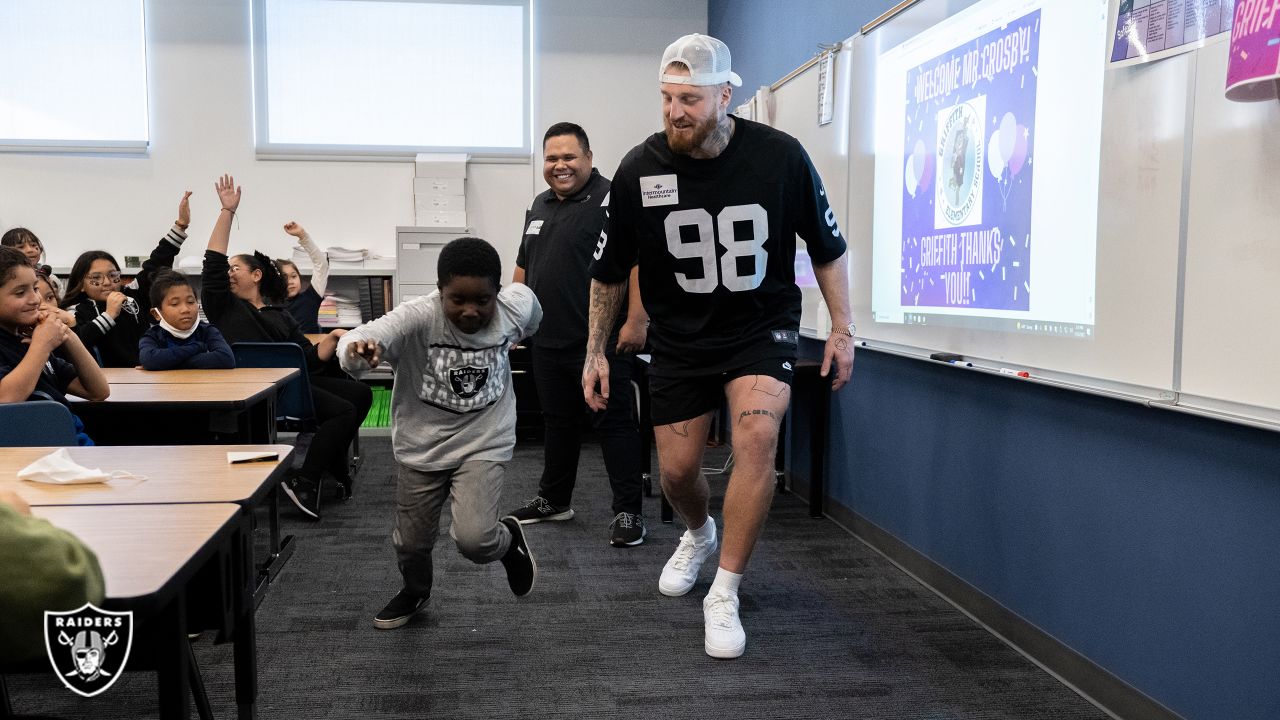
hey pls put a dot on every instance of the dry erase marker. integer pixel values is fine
(1015, 373)
(962, 363)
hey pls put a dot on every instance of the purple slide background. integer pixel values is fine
(1006, 202)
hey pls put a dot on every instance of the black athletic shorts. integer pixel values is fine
(676, 399)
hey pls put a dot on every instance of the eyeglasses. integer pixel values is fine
(97, 280)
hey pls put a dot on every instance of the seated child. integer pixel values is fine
(241, 296)
(41, 568)
(30, 369)
(49, 298)
(180, 340)
(304, 303)
(30, 245)
(454, 416)
(111, 318)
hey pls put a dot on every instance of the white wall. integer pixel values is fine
(595, 64)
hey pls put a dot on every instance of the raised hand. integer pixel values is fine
(294, 229)
(184, 210)
(370, 350)
(228, 193)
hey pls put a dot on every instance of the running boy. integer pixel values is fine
(453, 416)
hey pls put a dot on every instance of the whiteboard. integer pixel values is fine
(793, 109)
(1188, 250)
(1231, 321)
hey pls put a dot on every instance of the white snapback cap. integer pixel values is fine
(706, 57)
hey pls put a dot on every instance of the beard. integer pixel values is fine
(688, 139)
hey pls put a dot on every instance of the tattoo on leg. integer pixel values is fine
(759, 411)
(681, 429)
(776, 392)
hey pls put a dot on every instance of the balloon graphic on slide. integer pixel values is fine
(909, 177)
(1019, 155)
(1008, 135)
(925, 175)
(995, 161)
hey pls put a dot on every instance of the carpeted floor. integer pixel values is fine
(834, 630)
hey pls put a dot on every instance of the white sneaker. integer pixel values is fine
(681, 571)
(724, 635)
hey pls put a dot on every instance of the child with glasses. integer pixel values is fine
(111, 318)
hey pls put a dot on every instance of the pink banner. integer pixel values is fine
(1253, 68)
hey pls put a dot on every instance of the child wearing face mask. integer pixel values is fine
(180, 339)
(110, 318)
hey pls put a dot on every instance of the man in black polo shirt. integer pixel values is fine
(561, 229)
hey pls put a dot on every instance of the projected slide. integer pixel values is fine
(987, 144)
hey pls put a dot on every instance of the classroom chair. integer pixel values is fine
(294, 409)
(36, 423)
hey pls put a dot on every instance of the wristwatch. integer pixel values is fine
(849, 330)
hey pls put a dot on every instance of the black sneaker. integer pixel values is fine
(539, 510)
(302, 493)
(399, 611)
(626, 530)
(522, 570)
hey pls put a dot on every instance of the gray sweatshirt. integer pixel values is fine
(451, 400)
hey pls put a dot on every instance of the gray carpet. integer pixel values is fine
(833, 630)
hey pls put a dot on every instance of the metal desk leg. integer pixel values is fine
(172, 653)
(245, 637)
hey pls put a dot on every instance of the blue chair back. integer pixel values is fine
(36, 423)
(293, 403)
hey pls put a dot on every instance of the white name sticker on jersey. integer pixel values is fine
(535, 227)
(658, 190)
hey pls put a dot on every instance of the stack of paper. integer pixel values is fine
(344, 256)
(338, 311)
(439, 190)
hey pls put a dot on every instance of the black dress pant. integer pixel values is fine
(558, 376)
(341, 404)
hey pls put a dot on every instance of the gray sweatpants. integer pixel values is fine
(476, 487)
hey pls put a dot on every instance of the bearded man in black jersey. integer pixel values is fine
(709, 211)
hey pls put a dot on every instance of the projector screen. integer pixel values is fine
(987, 138)
(1014, 200)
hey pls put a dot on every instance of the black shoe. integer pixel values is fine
(302, 493)
(399, 611)
(522, 570)
(342, 489)
(539, 510)
(626, 530)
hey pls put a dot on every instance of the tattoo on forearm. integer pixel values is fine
(759, 411)
(842, 344)
(605, 300)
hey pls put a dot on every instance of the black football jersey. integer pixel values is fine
(715, 241)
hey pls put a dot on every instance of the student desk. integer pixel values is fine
(145, 412)
(175, 474)
(134, 376)
(149, 555)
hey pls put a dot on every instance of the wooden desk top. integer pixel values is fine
(144, 549)
(224, 395)
(175, 474)
(134, 376)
